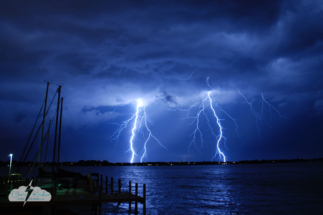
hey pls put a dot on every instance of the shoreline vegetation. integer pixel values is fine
(174, 163)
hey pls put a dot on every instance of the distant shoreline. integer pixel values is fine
(174, 163)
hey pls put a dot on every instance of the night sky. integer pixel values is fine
(111, 53)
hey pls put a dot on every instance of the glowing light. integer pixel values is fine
(139, 103)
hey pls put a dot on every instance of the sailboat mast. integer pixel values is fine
(42, 130)
(59, 134)
(57, 112)
(47, 134)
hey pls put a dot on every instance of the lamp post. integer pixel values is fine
(10, 163)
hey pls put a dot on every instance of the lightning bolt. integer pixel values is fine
(201, 110)
(137, 125)
(196, 118)
(29, 191)
(115, 108)
(186, 79)
(150, 135)
(270, 106)
(218, 151)
(133, 131)
(258, 117)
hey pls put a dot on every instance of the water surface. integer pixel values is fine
(295, 188)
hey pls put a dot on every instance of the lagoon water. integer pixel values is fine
(292, 188)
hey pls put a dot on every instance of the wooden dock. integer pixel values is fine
(101, 192)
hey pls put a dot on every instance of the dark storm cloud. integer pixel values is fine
(171, 100)
(111, 53)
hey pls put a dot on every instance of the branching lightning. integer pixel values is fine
(186, 79)
(259, 118)
(201, 110)
(218, 151)
(150, 135)
(270, 106)
(133, 131)
(138, 121)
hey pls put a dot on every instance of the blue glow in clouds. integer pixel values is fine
(140, 123)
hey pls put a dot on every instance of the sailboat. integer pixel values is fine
(55, 172)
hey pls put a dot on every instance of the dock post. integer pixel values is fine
(136, 202)
(51, 208)
(106, 184)
(119, 185)
(55, 187)
(101, 180)
(144, 206)
(129, 196)
(111, 185)
(100, 198)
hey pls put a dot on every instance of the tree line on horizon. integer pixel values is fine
(107, 163)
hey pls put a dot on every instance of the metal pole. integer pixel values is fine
(10, 163)
(60, 133)
(55, 140)
(42, 130)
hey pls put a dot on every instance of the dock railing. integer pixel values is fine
(102, 191)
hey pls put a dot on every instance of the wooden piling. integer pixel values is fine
(129, 196)
(136, 202)
(101, 180)
(111, 184)
(51, 209)
(100, 197)
(119, 185)
(144, 195)
(55, 187)
(106, 184)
